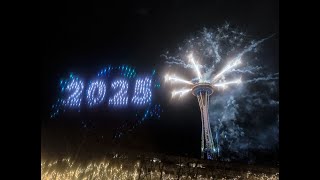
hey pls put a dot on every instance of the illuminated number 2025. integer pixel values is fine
(97, 91)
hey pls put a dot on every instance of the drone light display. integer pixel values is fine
(115, 87)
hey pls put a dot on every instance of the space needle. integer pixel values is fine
(203, 89)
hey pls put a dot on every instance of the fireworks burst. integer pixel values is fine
(208, 46)
(223, 58)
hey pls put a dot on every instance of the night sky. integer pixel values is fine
(83, 38)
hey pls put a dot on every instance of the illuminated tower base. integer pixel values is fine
(203, 91)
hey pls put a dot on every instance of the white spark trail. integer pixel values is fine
(177, 79)
(181, 92)
(239, 56)
(249, 69)
(195, 66)
(253, 45)
(216, 51)
(231, 65)
(238, 81)
(180, 63)
(214, 44)
(268, 78)
(176, 61)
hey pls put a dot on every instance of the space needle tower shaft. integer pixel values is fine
(203, 91)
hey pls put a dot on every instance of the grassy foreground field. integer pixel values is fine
(118, 167)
